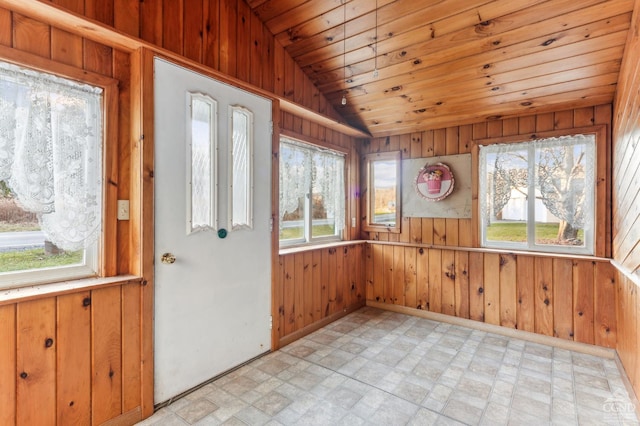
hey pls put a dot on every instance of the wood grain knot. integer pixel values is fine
(48, 343)
(24, 375)
(86, 301)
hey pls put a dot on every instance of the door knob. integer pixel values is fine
(168, 258)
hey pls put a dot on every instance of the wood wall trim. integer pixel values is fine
(59, 17)
(494, 251)
(23, 294)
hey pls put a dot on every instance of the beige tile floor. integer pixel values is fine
(376, 367)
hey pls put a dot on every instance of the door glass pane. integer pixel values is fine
(241, 179)
(201, 163)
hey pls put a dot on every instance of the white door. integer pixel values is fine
(212, 304)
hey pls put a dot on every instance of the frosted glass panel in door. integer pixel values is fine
(241, 191)
(201, 163)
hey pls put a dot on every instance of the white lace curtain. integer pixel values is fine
(561, 170)
(303, 167)
(50, 152)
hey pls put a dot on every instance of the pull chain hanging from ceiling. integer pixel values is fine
(375, 50)
(344, 51)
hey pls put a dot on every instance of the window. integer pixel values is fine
(50, 177)
(383, 193)
(539, 195)
(312, 192)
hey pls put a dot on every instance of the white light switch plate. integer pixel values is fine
(123, 209)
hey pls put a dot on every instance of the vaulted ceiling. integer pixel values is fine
(446, 62)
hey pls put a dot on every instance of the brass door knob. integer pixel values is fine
(168, 258)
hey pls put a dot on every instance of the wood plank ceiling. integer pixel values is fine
(451, 62)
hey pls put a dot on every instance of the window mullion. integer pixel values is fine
(307, 215)
(531, 196)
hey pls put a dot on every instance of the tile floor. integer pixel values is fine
(381, 368)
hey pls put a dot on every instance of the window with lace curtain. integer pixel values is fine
(539, 195)
(50, 177)
(312, 193)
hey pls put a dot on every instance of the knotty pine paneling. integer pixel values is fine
(628, 319)
(61, 359)
(317, 285)
(459, 140)
(626, 203)
(511, 290)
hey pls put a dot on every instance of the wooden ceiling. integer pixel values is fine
(450, 62)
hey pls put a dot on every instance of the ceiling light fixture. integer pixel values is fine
(375, 50)
(344, 52)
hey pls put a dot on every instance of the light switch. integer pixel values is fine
(123, 209)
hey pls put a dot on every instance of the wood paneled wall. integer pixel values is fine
(72, 358)
(316, 287)
(436, 264)
(458, 140)
(572, 299)
(223, 35)
(626, 202)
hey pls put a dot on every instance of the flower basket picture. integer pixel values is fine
(434, 182)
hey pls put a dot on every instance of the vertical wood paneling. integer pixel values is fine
(508, 291)
(31, 36)
(288, 289)
(341, 278)
(422, 279)
(398, 276)
(211, 36)
(6, 28)
(131, 349)
(173, 25)
(387, 274)
(544, 296)
(462, 284)
(605, 305)
(435, 281)
(448, 282)
(317, 285)
(410, 277)
(36, 362)
(492, 288)
(73, 378)
(563, 298)
(8, 364)
(106, 325)
(193, 30)
(242, 45)
(583, 301)
(308, 286)
(525, 288)
(126, 16)
(476, 284)
(298, 292)
(151, 28)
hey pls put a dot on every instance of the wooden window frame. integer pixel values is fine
(602, 180)
(107, 244)
(369, 159)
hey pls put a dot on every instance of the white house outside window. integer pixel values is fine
(539, 195)
(50, 176)
(312, 192)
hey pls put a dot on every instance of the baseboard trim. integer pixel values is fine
(289, 338)
(127, 419)
(504, 331)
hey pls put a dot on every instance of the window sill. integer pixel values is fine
(311, 247)
(495, 250)
(39, 291)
